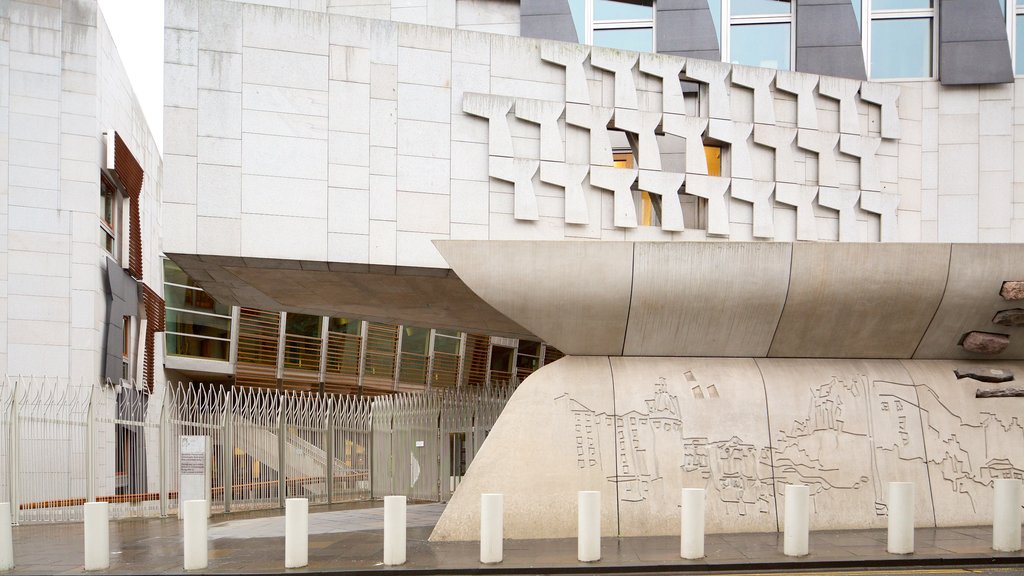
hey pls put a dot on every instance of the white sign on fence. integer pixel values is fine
(194, 481)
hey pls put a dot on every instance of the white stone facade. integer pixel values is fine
(309, 135)
(62, 86)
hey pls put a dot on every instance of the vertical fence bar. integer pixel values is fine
(90, 457)
(228, 450)
(281, 431)
(15, 472)
(329, 446)
(163, 439)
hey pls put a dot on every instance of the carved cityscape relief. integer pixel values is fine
(648, 110)
(851, 435)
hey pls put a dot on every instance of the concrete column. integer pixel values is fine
(491, 528)
(394, 530)
(1006, 515)
(196, 548)
(901, 517)
(589, 530)
(797, 527)
(6, 537)
(296, 533)
(691, 539)
(97, 535)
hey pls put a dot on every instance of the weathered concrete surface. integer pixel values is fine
(640, 429)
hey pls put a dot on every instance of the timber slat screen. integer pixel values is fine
(341, 373)
(258, 337)
(475, 366)
(379, 361)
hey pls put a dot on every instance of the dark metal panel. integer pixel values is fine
(828, 39)
(688, 31)
(122, 300)
(973, 47)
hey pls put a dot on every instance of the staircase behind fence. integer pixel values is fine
(65, 444)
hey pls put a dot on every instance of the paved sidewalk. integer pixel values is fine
(350, 539)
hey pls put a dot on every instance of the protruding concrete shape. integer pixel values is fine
(760, 81)
(824, 145)
(886, 96)
(492, 518)
(725, 312)
(1014, 317)
(885, 205)
(802, 198)
(865, 148)
(898, 287)
(691, 529)
(588, 531)
(985, 342)
(621, 63)
(797, 523)
(620, 182)
(668, 68)
(595, 119)
(843, 201)
(759, 194)
(1006, 515)
(692, 130)
(571, 57)
(844, 90)
(666, 185)
(1012, 290)
(715, 75)
(990, 375)
(976, 273)
(546, 115)
(901, 518)
(520, 172)
(495, 109)
(394, 530)
(781, 139)
(712, 189)
(802, 85)
(570, 177)
(737, 135)
(644, 126)
(588, 317)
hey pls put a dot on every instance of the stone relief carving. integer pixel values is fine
(645, 102)
(854, 435)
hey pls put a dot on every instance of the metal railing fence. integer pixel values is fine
(63, 444)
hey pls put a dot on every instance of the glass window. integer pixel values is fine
(578, 9)
(198, 324)
(108, 215)
(303, 325)
(901, 4)
(193, 299)
(765, 45)
(760, 7)
(716, 15)
(447, 341)
(636, 39)
(344, 325)
(1019, 44)
(415, 339)
(901, 48)
(856, 12)
(617, 10)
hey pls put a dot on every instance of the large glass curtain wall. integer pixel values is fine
(196, 324)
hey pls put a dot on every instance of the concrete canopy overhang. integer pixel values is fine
(426, 297)
(747, 299)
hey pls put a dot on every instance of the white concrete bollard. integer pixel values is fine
(691, 529)
(394, 530)
(296, 532)
(1006, 515)
(6, 537)
(901, 518)
(97, 535)
(588, 544)
(196, 547)
(491, 528)
(797, 535)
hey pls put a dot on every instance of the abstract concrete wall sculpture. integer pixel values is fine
(640, 429)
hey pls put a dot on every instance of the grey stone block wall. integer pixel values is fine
(973, 48)
(547, 20)
(828, 40)
(685, 28)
